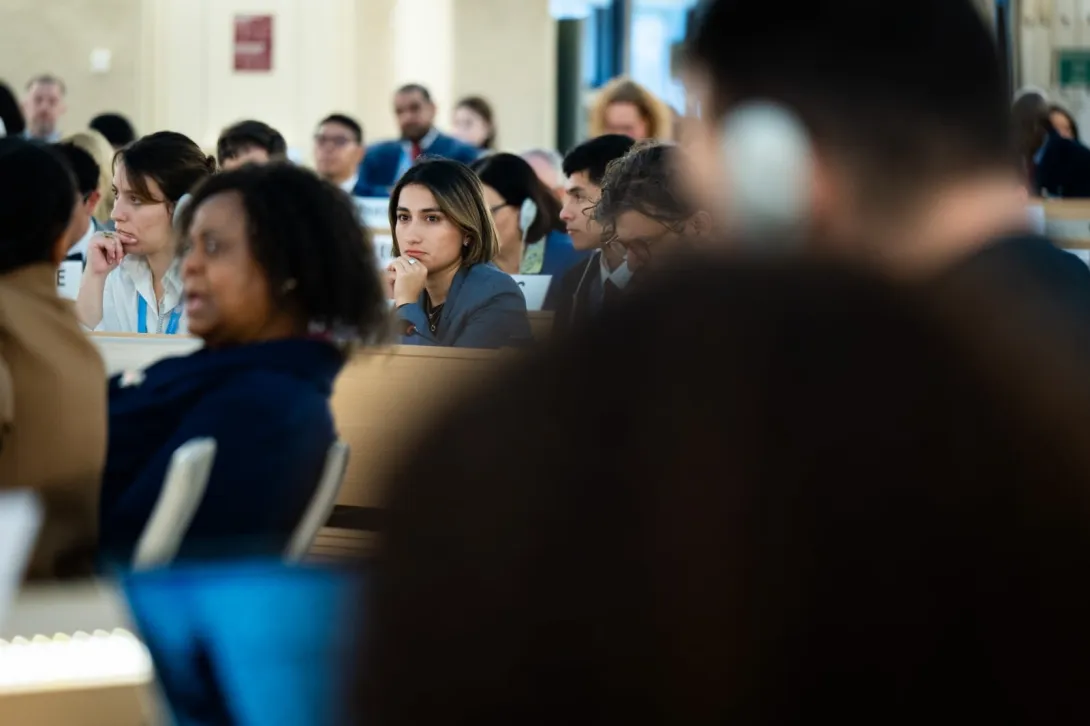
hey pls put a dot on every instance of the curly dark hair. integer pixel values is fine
(645, 180)
(305, 230)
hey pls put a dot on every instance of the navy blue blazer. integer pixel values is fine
(1062, 168)
(484, 309)
(267, 407)
(378, 171)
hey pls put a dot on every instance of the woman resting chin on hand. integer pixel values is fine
(279, 282)
(443, 282)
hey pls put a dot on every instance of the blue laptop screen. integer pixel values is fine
(250, 644)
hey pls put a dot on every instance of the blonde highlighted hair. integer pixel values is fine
(460, 197)
(656, 113)
(102, 152)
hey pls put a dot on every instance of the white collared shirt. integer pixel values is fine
(620, 276)
(349, 184)
(130, 281)
(80, 248)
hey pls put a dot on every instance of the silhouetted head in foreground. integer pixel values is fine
(827, 503)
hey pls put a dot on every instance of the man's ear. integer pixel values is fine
(701, 224)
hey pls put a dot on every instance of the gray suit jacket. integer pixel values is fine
(484, 309)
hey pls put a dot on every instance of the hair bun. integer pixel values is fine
(210, 164)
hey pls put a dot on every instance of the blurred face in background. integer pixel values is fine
(43, 107)
(547, 173)
(578, 212)
(470, 127)
(625, 118)
(1062, 124)
(246, 155)
(415, 114)
(337, 152)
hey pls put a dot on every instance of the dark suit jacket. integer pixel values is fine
(1063, 168)
(484, 309)
(572, 296)
(267, 407)
(378, 171)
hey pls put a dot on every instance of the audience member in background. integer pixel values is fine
(1063, 122)
(100, 150)
(474, 123)
(532, 240)
(956, 207)
(43, 106)
(52, 401)
(443, 283)
(747, 540)
(627, 108)
(116, 128)
(549, 167)
(387, 161)
(250, 142)
(1056, 166)
(644, 210)
(280, 283)
(132, 283)
(83, 225)
(338, 150)
(11, 116)
(586, 287)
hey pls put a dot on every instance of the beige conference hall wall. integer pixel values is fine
(171, 61)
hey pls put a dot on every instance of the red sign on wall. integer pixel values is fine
(253, 42)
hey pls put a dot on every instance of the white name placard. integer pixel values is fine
(20, 518)
(69, 275)
(373, 212)
(534, 288)
(384, 249)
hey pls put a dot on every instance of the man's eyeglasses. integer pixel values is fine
(338, 142)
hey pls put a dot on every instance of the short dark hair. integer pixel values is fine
(47, 79)
(305, 230)
(895, 105)
(347, 121)
(480, 106)
(415, 88)
(593, 156)
(516, 181)
(173, 160)
(250, 134)
(115, 127)
(33, 217)
(83, 165)
(11, 114)
(644, 180)
(460, 197)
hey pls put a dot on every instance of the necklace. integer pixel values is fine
(432, 314)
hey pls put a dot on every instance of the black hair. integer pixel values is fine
(305, 230)
(480, 106)
(115, 127)
(33, 216)
(644, 180)
(173, 160)
(10, 112)
(83, 166)
(244, 135)
(894, 105)
(415, 88)
(348, 122)
(1056, 108)
(516, 181)
(593, 156)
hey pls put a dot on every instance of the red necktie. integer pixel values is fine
(415, 151)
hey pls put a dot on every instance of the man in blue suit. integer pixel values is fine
(386, 161)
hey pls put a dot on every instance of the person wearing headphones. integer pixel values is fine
(527, 214)
(442, 281)
(132, 282)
